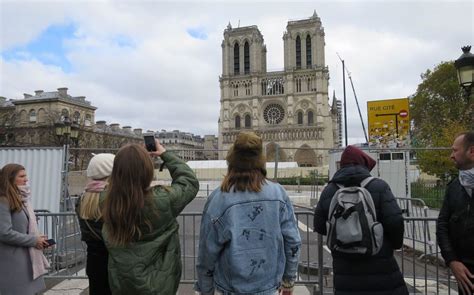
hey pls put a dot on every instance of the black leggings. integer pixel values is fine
(96, 270)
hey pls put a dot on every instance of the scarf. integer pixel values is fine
(38, 261)
(96, 186)
(466, 178)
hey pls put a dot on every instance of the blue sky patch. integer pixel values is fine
(197, 33)
(124, 41)
(48, 47)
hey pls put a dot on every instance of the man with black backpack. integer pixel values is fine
(364, 224)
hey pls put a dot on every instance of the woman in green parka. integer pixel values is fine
(140, 227)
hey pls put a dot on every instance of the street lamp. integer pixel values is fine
(65, 131)
(465, 68)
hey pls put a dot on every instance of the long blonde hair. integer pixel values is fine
(89, 208)
(127, 195)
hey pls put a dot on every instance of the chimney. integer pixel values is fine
(38, 92)
(137, 131)
(101, 125)
(62, 91)
(80, 98)
(26, 95)
(127, 129)
(115, 127)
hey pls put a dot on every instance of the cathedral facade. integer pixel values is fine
(289, 109)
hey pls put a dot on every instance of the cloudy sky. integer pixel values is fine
(155, 65)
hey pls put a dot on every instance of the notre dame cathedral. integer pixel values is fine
(289, 109)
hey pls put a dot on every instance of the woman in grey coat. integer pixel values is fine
(22, 260)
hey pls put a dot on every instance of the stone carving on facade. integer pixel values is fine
(304, 105)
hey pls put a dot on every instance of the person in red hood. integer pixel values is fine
(356, 273)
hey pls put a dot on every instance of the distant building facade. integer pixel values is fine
(211, 145)
(187, 145)
(31, 121)
(336, 111)
(289, 109)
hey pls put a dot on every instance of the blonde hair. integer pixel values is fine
(89, 208)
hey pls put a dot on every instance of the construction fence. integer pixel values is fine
(419, 260)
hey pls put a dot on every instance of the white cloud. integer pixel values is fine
(163, 78)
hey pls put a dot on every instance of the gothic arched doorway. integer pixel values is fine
(305, 156)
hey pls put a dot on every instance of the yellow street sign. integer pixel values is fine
(389, 123)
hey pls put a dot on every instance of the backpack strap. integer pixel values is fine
(366, 181)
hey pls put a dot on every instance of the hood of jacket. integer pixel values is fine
(351, 175)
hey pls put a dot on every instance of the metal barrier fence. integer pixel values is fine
(422, 267)
(416, 232)
(68, 257)
(425, 271)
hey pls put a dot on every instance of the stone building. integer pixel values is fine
(289, 109)
(187, 145)
(211, 146)
(31, 121)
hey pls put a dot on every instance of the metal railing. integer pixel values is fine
(67, 258)
(421, 266)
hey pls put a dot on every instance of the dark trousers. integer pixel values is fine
(96, 270)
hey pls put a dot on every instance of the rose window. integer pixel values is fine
(273, 114)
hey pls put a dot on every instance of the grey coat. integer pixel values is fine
(16, 272)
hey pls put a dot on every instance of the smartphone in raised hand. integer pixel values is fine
(150, 142)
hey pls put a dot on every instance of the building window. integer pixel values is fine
(308, 52)
(385, 156)
(32, 116)
(237, 122)
(298, 52)
(310, 118)
(88, 121)
(248, 89)
(77, 117)
(41, 116)
(247, 121)
(298, 84)
(236, 59)
(300, 118)
(236, 90)
(64, 114)
(308, 84)
(397, 156)
(274, 114)
(246, 58)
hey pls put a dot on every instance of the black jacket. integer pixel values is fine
(455, 226)
(360, 274)
(91, 233)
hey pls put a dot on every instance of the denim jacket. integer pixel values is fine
(249, 242)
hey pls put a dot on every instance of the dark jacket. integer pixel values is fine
(455, 226)
(152, 265)
(360, 274)
(91, 233)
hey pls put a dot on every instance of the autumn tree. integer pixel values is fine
(439, 110)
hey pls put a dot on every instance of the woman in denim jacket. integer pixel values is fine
(249, 241)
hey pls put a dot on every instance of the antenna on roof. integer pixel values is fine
(238, 26)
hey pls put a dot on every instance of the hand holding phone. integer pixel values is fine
(51, 242)
(150, 142)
